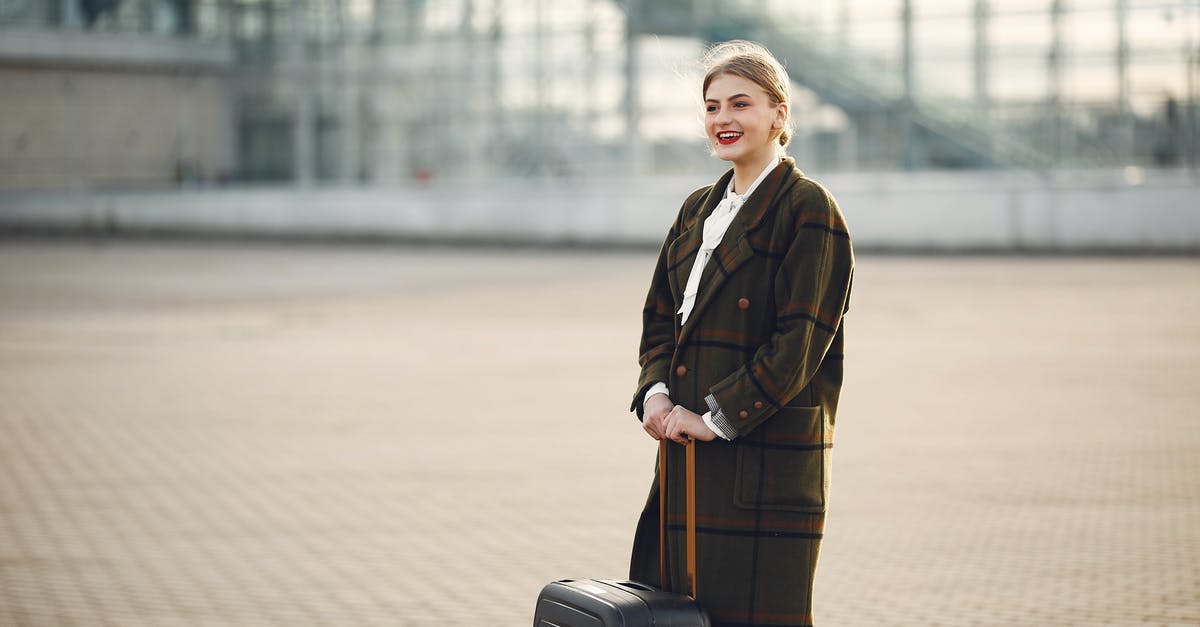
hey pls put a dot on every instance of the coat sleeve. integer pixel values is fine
(812, 292)
(657, 344)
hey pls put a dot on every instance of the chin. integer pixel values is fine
(726, 154)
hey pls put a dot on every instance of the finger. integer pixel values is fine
(682, 435)
(676, 434)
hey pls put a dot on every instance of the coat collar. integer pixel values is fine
(733, 250)
(752, 212)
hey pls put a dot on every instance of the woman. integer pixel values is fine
(741, 350)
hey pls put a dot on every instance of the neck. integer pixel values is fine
(745, 172)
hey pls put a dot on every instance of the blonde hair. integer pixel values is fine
(756, 64)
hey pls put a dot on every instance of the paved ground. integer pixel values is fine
(234, 435)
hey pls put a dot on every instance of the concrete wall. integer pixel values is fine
(986, 211)
(1069, 211)
(81, 109)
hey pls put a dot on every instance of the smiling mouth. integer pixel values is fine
(728, 137)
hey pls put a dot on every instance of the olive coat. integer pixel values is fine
(765, 340)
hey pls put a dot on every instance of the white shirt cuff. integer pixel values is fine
(708, 420)
(657, 388)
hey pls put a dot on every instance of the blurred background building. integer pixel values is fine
(131, 92)
(370, 94)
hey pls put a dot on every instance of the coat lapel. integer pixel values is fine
(734, 250)
(682, 252)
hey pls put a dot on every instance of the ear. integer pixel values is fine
(781, 116)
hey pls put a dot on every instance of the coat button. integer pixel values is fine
(743, 303)
(743, 414)
(681, 370)
(757, 404)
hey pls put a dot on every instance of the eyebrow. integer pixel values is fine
(729, 98)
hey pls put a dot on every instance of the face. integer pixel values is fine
(741, 122)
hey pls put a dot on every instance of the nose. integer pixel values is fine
(722, 116)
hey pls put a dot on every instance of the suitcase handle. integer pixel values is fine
(689, 513)
(638, 586)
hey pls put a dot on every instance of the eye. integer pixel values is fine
(710, 108)
(741, 105)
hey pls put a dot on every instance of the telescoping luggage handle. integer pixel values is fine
(690, 514)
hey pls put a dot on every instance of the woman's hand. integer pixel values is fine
(654, 415)
(683, 425)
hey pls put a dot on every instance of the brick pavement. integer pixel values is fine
(233, 435)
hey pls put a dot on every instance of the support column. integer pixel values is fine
(231, 156)
(68, 16)
(1054, 81)
(185, 17)
(466, 123)
(848, 143)
(982, 58)
(497, 126)
(588, 112)
(1192, 115)
(303, 128)
(349, 101)
(1124, 147)
(188, 164)
(912, 156)
(382, 140)
(843, 27)
(633, 110)
(542, 130)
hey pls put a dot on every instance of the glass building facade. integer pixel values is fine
(387, 91)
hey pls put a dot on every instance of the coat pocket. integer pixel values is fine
(787, 467)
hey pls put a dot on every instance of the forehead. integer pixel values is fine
(724, 86)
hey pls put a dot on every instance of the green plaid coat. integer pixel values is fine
(764, 340)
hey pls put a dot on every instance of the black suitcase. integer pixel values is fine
(605, 603)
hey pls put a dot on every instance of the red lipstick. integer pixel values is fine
(728, 137)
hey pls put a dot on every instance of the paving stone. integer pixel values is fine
(201, 434)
